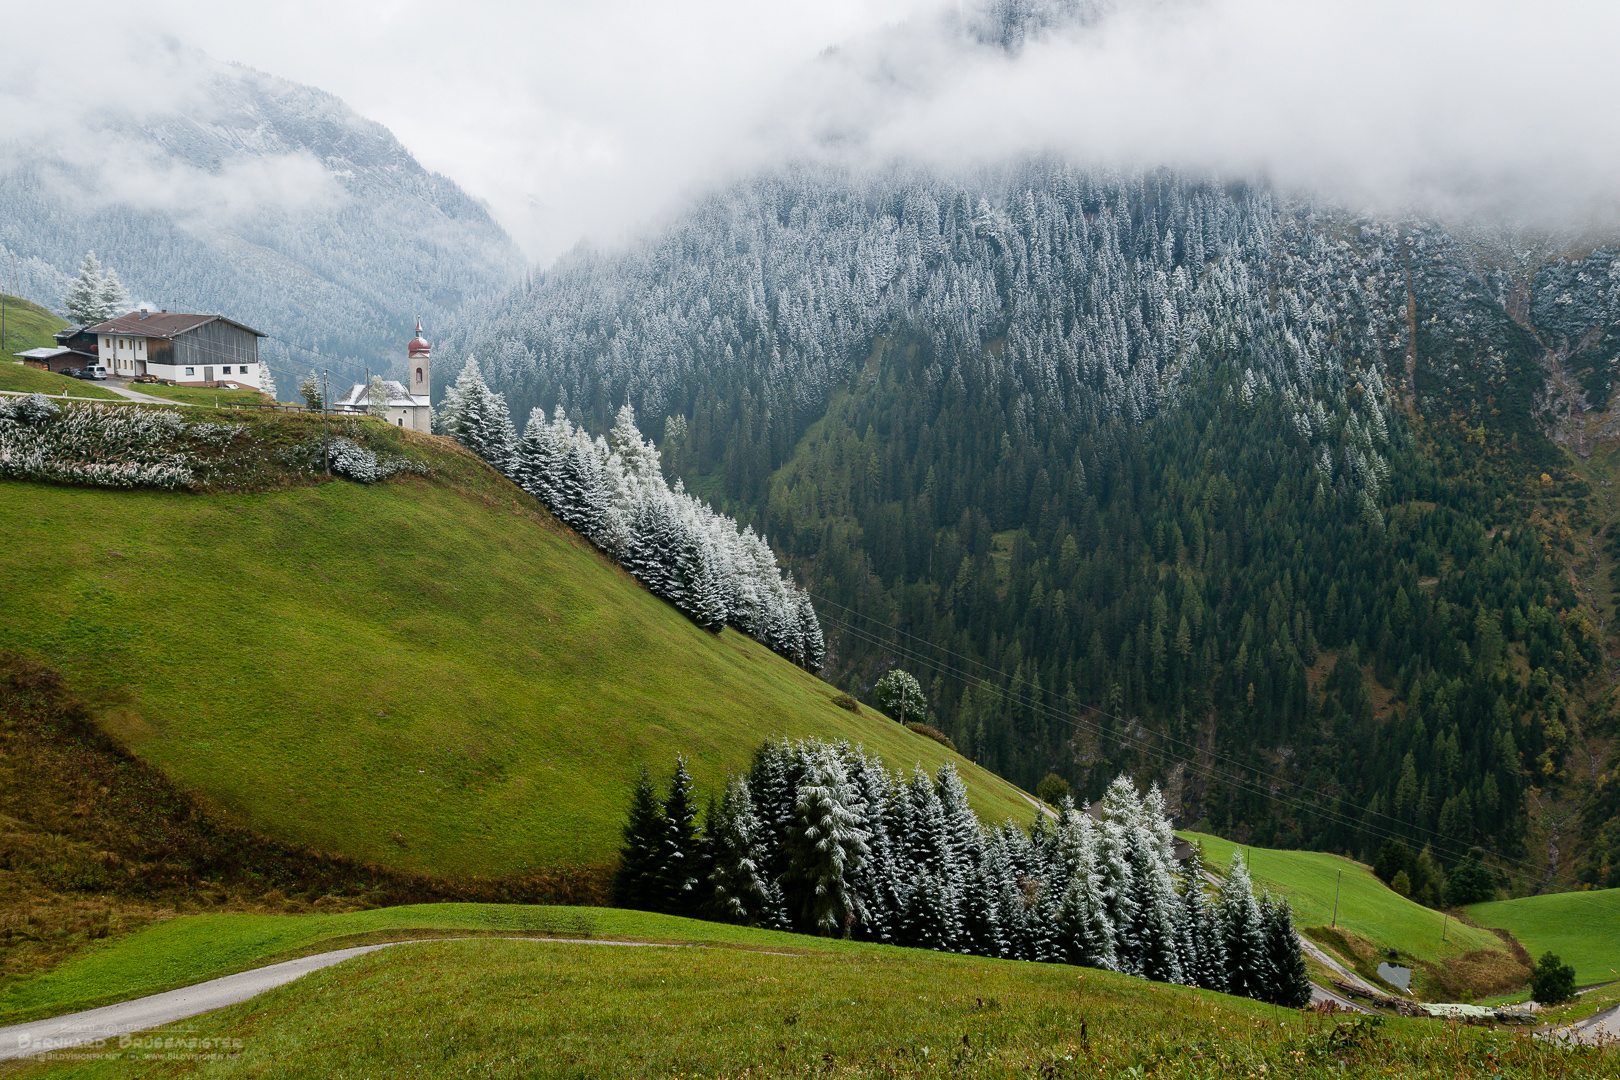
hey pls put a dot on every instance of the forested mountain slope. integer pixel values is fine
(1150, 471)
(217, 188)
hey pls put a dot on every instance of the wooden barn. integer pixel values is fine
(193, 350)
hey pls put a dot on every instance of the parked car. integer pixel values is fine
(70, 372)
(94, 371)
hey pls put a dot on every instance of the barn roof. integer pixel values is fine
(164, 324)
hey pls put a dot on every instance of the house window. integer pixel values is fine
(191, 371)
(402, 423)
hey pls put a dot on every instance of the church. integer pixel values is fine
(410, 407)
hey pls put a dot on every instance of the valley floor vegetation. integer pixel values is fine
(822, 839)
(827, 1008)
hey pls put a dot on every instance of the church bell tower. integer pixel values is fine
(420, 373)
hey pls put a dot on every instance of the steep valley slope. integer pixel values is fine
(428, 675)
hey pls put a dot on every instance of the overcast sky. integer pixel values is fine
(592, 119)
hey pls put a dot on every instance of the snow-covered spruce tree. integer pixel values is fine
(961, 823)
(638, 879)
(267, 381)
(1243, 934)
(82, 301)
(1121, 807)
(478, 418)
(681, 866)
(738, 890)
(931, 919)
(111, 298)
(1016, 881)
(1084, 933)
(984, 927)
(826, 845)
(310, 391)
(879, 880)
(377, 397)
(1157, 925)
(1198, 947)
(773, 785)
(1291, 981)
(815, 644)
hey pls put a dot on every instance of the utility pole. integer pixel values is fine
(326, 431)
(903, 689)
(1444, 916)
(1336, 884)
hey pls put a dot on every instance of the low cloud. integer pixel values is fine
(593, 121)
(1502, 112)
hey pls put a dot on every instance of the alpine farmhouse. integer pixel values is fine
(191, 350)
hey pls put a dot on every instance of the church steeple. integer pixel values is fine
(420, 372)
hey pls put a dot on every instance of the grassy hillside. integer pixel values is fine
(428, 674)
(28, 326)
(198, 395)
(15, 376)
(528, 1008)
(1468, 963)
(1583, 928)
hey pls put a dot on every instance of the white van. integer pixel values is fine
(93, 371)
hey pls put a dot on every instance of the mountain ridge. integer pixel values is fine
(273, 202)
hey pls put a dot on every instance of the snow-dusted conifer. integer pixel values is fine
(739, 892)
(681, 867)
(878, 881)
(826, 845)
(478, 418)
(1197, 947)
(1121, 807)
(1291, 981)
(931, 919)
(815, 644)
(377, 397)
(111, 298)
(82, 302)
(985, 928)
(772, 784)
(1084, 932)
(310, 391)
(1243, 933)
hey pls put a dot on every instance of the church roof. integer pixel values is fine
(359, 397)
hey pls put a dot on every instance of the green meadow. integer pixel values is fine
(1582, 928)
(27, 326)
(201, 395)
(428, 674)
(506, 1008)
(194, 948)
(20, 377)
(1366, 907)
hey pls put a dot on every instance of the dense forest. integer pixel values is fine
(1141, 472)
